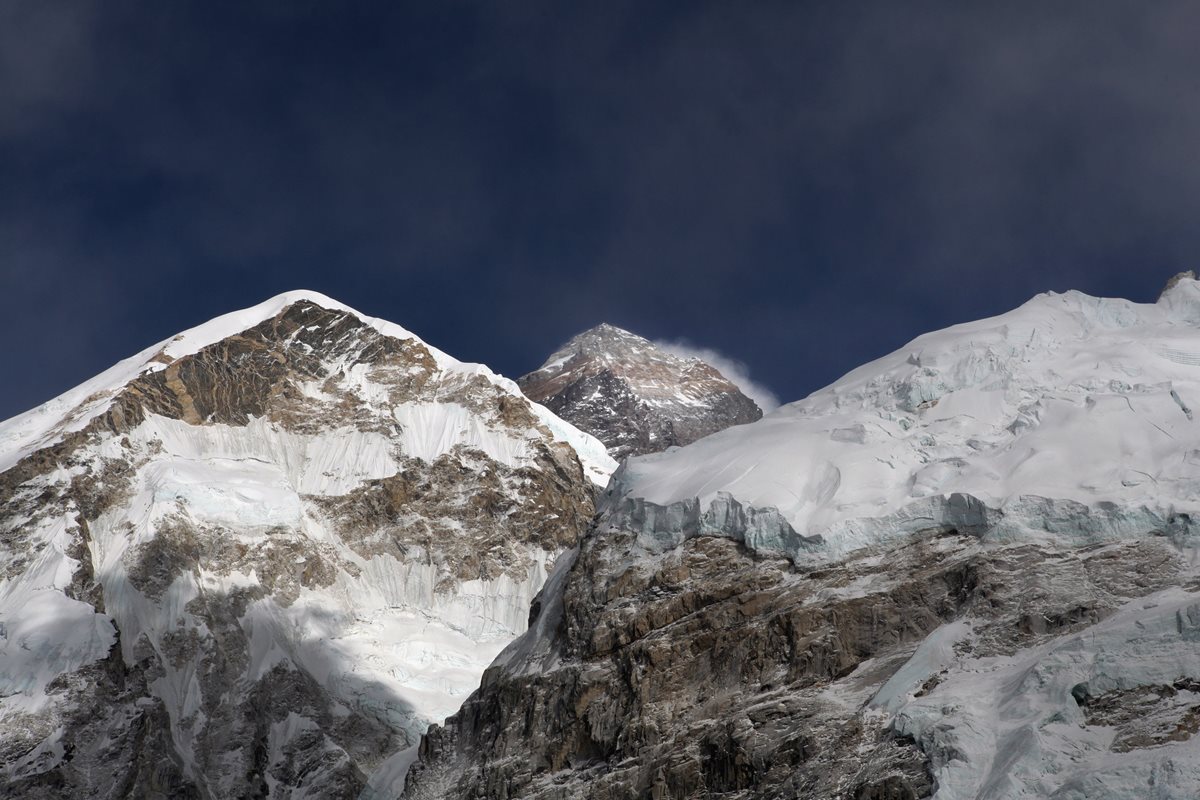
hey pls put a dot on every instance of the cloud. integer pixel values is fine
(731, 368)
(46, 55)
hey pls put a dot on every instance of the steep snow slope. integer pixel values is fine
(261, 556)
(635, 396)
(968, 570)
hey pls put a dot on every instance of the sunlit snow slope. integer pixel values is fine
(262, 556)
(1071, 415)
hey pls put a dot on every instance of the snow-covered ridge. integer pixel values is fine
(73, 409)
(1069, 406)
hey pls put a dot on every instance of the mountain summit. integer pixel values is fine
(969, 569)
(266, 557)
(634, 396)
(260, 557)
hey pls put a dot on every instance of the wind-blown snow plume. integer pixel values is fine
(731, 368)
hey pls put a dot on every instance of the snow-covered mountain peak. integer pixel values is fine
(235, 322)
(1181, 298)
(264, 554)
(624, 353)
(635, 396)
(620, 349)
(297, 337)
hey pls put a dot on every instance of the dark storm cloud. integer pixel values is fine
(801, 186)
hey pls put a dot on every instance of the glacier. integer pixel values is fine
(1067, 417)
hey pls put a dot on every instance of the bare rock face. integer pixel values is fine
(712, 670)
(258, 559)
(634, 396)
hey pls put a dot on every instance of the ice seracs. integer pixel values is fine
(1069, 417)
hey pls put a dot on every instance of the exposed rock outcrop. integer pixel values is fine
(711, 670)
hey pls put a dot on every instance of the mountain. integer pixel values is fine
(970, 569)
(260, 557)
(634, 396)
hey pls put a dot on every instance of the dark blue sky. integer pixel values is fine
(802, 186)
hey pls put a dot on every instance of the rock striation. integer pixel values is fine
(634, 396)
(259, 558)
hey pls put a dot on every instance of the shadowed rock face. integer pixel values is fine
(423, 508)
(116, 733)
(633, 396)
(216, 667)
(710, 670)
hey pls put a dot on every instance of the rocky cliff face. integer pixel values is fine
(966, 570)
(634, 396)
(711, 670)
(260, 558)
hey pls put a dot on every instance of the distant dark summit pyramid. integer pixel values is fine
(634, 396)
